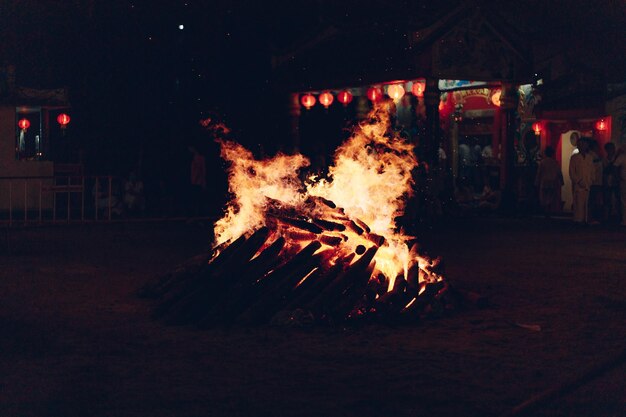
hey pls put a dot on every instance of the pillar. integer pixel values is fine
(508, 126)
(430, 146)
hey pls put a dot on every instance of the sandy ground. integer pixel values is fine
(75, 341)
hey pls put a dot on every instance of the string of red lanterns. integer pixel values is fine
(375, 93)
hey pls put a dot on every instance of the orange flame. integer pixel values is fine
(369, 181)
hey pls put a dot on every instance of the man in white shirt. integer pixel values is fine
(581, 172)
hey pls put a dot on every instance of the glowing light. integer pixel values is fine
(495, 98)
(395, 91)
(23, 124)
(375, 94)
(537, 128)
(63, 119)
(601, 125)
(344, 97)
(181, 27)
(308, 101)
(441, 105)
(326, 99)
(418, 88)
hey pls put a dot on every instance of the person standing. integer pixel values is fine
(548, 181)
(581, 172)
(620, 164)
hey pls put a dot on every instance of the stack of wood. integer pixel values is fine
(295, 270)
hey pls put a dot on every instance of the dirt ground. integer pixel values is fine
(75, 341)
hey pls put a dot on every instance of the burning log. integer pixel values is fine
(315, 284)
(356, 274)
(329, 226)
(354, 227)
(300, 224)
(278, 283)
(362, 225)
(330, 240)
(323, 201)
(377, 240)
(190, 305)
(246, 290)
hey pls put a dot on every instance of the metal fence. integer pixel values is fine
(70, 198)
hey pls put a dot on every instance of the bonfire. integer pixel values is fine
(318, 249)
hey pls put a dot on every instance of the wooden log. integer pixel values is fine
(274, 285)
(193, 307)
(298, 235)
(326, 301)
(182, 289)
(362, 225)
(244, 292)
(317, 283)
(360, 250)
(350, 224)
(329, 225)
(330, 240)
(300, 224)
(416, 309)
(377, 240)
(356, 292)
(324, 201)
(395, 300)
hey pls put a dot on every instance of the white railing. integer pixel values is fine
(78, 198)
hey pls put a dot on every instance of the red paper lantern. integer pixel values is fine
(537, 128)
(395, 91)
(308, 101)
(63, 120)
(326, 99)
(23, 124)
(375, 94)
(601, 125)
(418, 88)
(344, 97)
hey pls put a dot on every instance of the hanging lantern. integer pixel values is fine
(537, 128)
(495, 97)
(442, 104)
(418, 88)
(63, 120)
(395, 91)
(601, 125)
(23, 124)
(375, 94)
(308, 100)
(326, 99)
(344, 97)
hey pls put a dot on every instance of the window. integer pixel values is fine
(29, 141)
